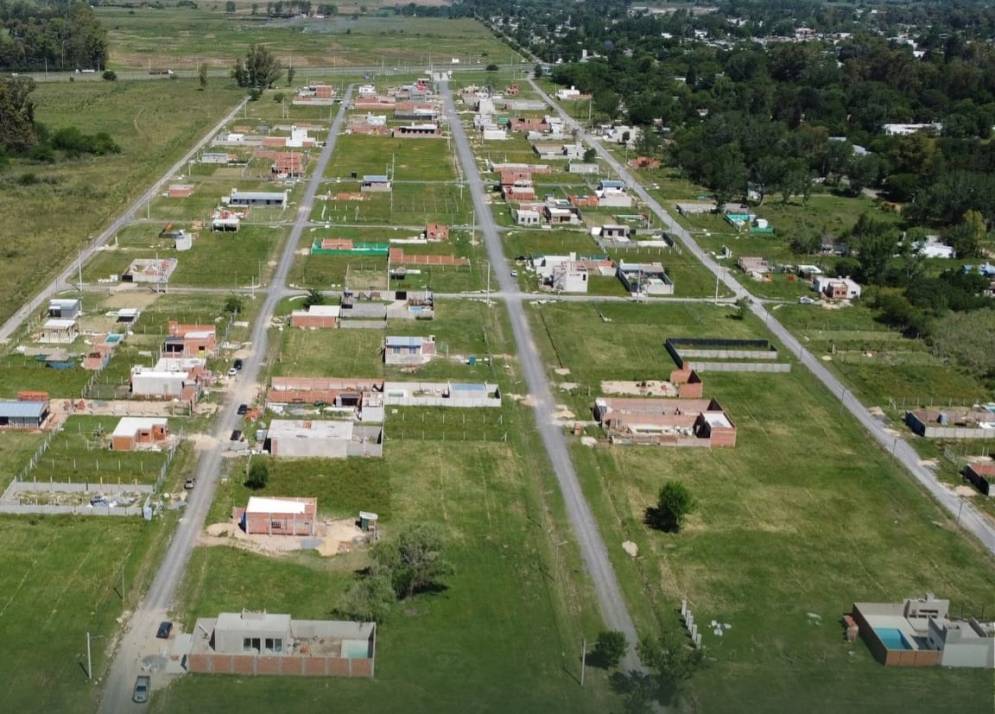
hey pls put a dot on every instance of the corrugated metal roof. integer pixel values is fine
(22, 410)
(398, 341)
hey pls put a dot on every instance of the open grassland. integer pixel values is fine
(882, 367)
(461, 329)
(801, 519)
(419, 160)
(182, 38)
(60, 578)
(406, 204)
(217, 259)
(335, 271)
(501, 636)
(45, 223)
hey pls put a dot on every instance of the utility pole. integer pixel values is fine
(89, 659)
(583, 660)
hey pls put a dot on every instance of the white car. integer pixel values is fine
(232, 372)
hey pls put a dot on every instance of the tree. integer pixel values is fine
(414, 559)
(233, 305)
(967, 339)
(966, 237)
(314, 297)
(258, 475)
(370, 598)
(109, 75)
(492, 67)
(260, 69)
(290, 76)
(230, 7)
(607, 102)
(537, 71)
(17, 114)
(590, 155)
(673, 505)
(671, 661)
(202, 75)
(609, 649)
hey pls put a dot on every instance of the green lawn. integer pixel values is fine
(804, 516)
(47, 222)
(60, 578)
(246, 255)
(501, 636)
(409, 159)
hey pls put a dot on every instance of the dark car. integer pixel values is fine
(237, 364)
(236, 435)
(243, 408)
(142, 686)
(165, 627)
(189, 484)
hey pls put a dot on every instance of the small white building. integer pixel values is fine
(576, 167)
(568, 94)
(836, 288)
(64, 308)
(494, 134)
(933, 247)
(526, 216)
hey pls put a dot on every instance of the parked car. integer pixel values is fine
(142, 686)
(232, 372)
(165, 627)
(237, 365)
(243, 409)
(236, 435)
(189, 484)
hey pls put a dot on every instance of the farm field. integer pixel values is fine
(181, 38)
(154, 123)
(800, 520)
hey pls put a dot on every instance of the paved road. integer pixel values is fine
(592, 546)
(967, 516)
(65, 278)
(138, 639)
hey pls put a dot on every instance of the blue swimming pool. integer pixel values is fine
(112, 338)
(892, 638)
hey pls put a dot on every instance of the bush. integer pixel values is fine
(110, 75)
(278, 97)
(75, 143)
(492, 67)
(255, 94)
(609, 649)
(673, 505)
(258, 475)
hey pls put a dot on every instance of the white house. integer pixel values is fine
(568, 94)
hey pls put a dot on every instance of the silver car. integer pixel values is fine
(142, 687)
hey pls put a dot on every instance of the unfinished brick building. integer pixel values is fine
(665, 422)
(277, 516)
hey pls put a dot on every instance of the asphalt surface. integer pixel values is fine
(966, 514)
(65, 279)
(138, 638)
(592, 547)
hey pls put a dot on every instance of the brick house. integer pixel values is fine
(133, 432)
(316, 317)
(189, 340)
(278, 516)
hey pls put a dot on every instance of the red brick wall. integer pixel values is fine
(290, 665)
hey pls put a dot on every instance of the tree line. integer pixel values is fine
(35, 35)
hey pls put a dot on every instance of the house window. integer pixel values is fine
(250, 644)
(275, 525)
(274, 644)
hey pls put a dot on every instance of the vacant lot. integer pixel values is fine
(405, 159)
(801, 519)
(46, 223)
(60, 578)
(181, 38)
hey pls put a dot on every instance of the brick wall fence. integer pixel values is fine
(284, 665)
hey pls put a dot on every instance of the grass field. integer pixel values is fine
(461, 328)
(500, 635)
(879, 364)
(47, 222)
(419, 160)
(60, 578)
(181, 38)
(804, 516)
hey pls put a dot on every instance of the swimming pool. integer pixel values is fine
(112, 338)
(892, 638)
